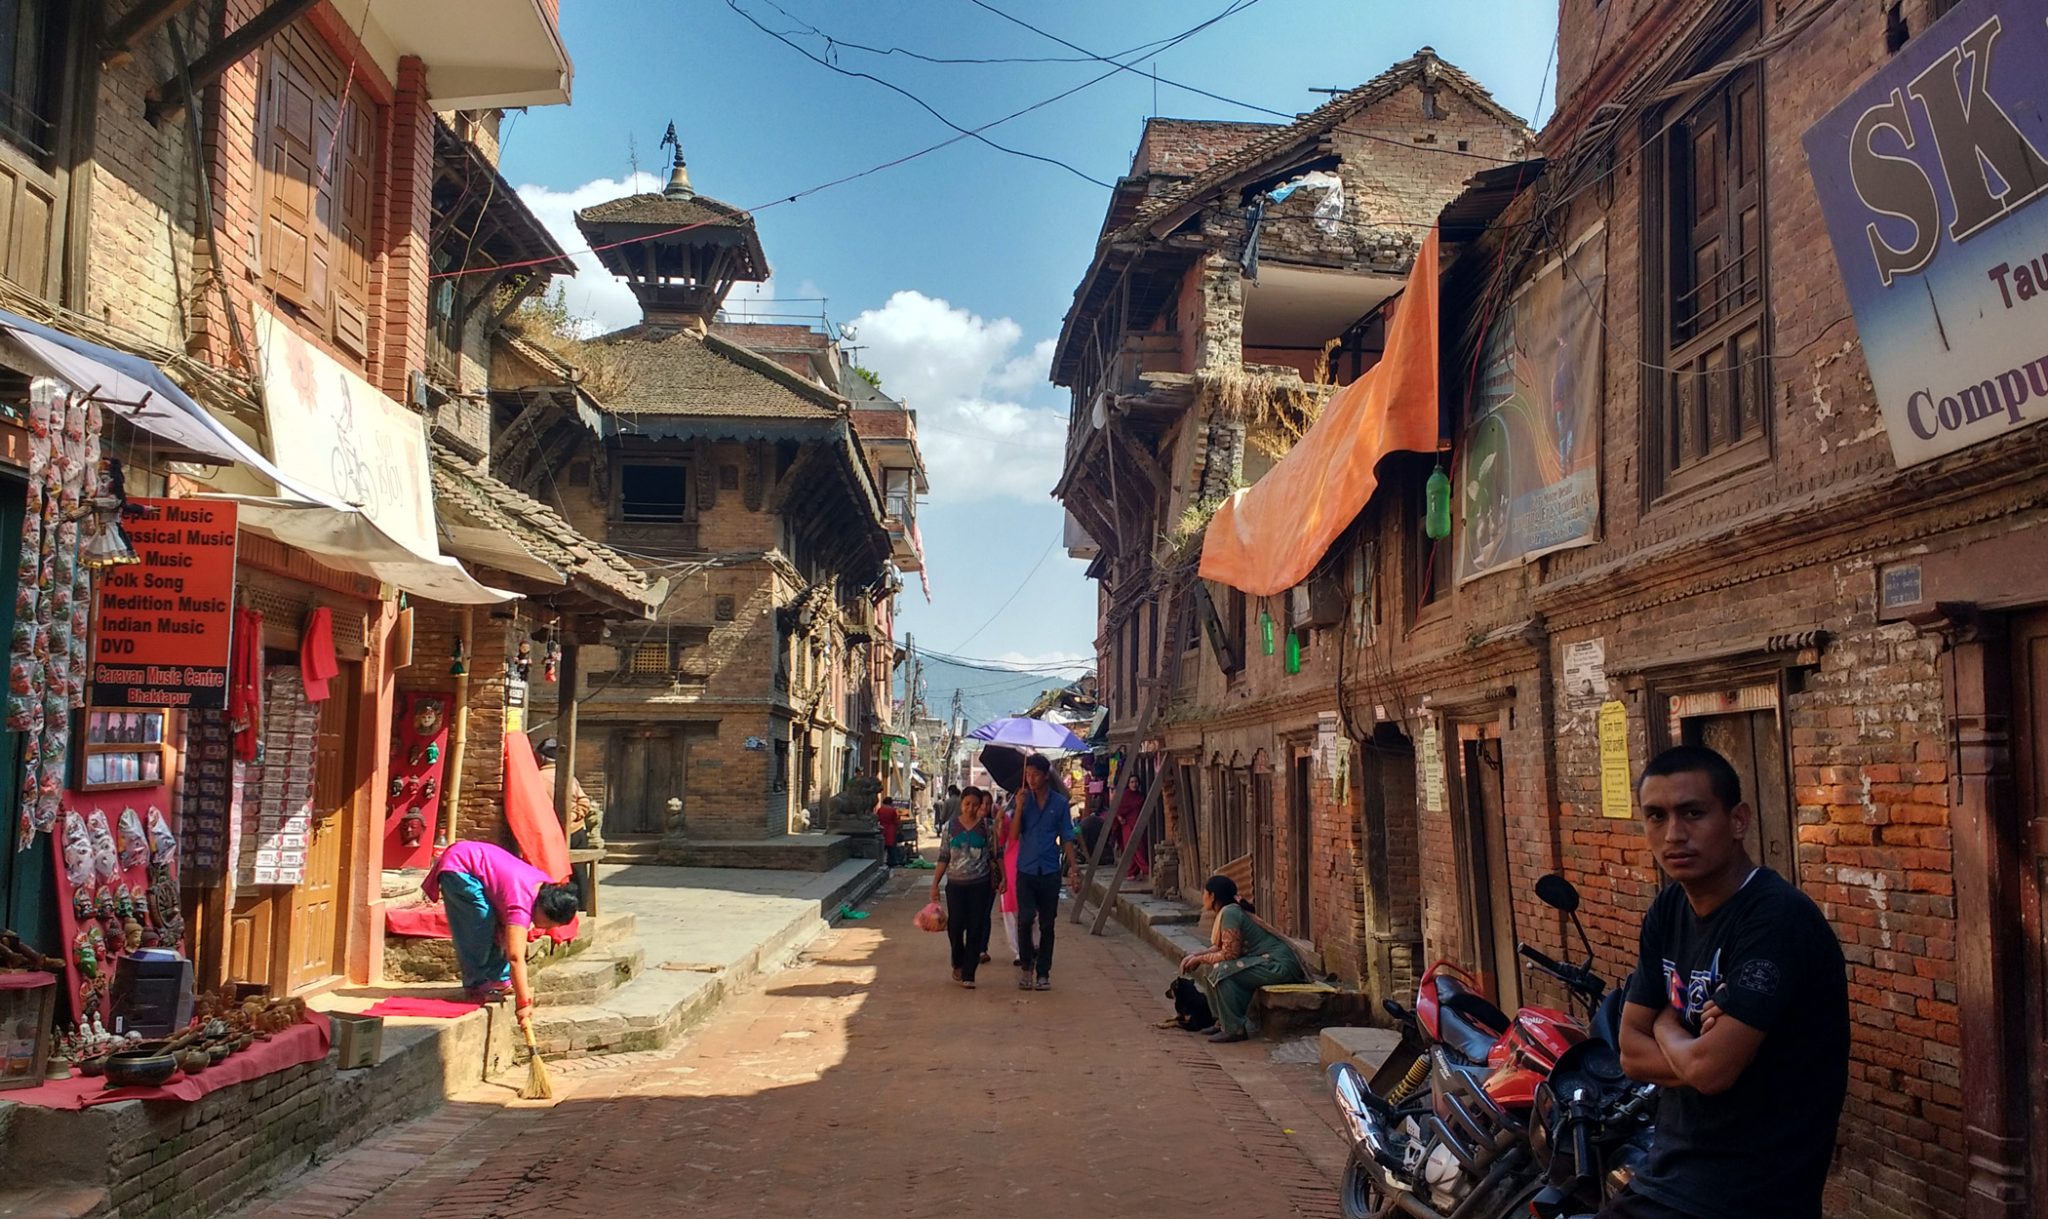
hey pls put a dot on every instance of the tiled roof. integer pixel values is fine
(672, 371)
(1183, 148)
(1423, 65)
(664, 210)
(469, 492)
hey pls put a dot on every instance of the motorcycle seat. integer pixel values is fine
(1469, 1025)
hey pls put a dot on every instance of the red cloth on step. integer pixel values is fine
(316, 654)
(306, 1041)
(432, 1009)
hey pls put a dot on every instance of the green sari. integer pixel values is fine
(1267, 960)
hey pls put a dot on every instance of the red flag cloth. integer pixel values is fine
(316, 654)
(530, 811)
(422, 922)
(1268, 537)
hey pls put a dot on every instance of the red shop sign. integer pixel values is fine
(162, 625)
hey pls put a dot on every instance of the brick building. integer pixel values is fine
(1701, 490)
(226, 190)
(721, 730)
(1238, 280)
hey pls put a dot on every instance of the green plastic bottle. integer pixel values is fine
(1437, 499)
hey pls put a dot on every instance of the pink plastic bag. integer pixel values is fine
(931, 918)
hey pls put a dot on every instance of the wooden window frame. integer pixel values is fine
(682, 468)
(1730, 427)
(1235, 615)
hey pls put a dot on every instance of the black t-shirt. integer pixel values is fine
(1761, 1149)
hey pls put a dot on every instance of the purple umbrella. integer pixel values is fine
(1024, 732)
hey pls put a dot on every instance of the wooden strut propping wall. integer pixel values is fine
(1177, 629)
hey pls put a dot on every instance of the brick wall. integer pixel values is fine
(481, 814)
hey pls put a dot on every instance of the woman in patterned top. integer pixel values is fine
(967, 865)
(1248, 954)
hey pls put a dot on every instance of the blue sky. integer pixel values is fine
(954, 270)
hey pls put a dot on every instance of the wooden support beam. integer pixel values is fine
(522, 431)
(168, 100)
(1146, 463)
(118, 45)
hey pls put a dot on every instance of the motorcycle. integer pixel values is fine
(1451, 1140)
(1590, 1126)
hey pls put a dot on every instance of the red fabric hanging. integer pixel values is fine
(530, 811)
(316, 654)
(245, 683)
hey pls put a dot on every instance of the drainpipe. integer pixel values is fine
(458, 738)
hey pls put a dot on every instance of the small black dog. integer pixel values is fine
(1190, 1005)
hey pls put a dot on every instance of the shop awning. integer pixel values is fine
(1268, 537)
(128, 385)
(346, 540)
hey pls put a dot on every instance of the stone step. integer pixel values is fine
(53, 1202)
(660, 1001)
(585, 978)
(645, 850)
(409, 959)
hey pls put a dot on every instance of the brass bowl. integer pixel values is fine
(217, 1052)
(91, 1067)
(133, 1070)
(194, 1061)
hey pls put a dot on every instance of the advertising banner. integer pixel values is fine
(1528, 481)
(337, 433)
(161, 626)
(1933, 178)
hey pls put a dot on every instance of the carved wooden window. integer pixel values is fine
(1714, 384)
(319, 166)
(29, 58)
(654, 492)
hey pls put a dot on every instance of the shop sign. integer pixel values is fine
(1585, 674)
(1933, 178)
(1617, 782)
(161, 637)
(335, 432)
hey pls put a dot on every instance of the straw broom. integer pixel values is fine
(537, 1085)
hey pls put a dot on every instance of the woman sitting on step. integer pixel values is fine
(1248, 954)
(493, 898)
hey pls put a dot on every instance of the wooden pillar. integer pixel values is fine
(565, 721)
(1990, 966)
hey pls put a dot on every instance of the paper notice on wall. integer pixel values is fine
(1616, 780)
(1585, 674)
(1326, 740)
(1431, 759)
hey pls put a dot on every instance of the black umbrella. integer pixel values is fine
(1005, 766)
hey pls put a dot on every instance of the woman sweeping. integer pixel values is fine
(493, 898)
(1248, 954)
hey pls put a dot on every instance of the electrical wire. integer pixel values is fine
(833, 40)
(1021, 586)
(922, 104)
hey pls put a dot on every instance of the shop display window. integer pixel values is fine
(124, 747)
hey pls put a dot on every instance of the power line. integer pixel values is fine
(1021, 586)
(922, 104)
(833, 40)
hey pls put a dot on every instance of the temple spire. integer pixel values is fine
(679, 177)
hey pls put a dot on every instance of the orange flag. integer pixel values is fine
(530, 810)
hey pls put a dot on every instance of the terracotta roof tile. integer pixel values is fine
(657, 208)
(1185, 147)
(490, 504)
(671, 371)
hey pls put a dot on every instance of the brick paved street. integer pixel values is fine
(861, 1081)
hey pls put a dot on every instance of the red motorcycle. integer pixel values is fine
(1448, 1137)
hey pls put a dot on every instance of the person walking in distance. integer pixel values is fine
(1738, 1010)
(1006, 890)
(967, 849)
(1043, 837)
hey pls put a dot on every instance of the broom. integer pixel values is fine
(537, 1085)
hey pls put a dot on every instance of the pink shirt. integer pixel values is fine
(509, 881)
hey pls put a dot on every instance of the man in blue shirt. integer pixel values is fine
(1042, 834)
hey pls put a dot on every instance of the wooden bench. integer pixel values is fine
(583, 866)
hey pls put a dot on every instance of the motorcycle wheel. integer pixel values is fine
(1361, 1193)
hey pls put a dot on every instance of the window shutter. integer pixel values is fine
(353, 170)
(289, 143)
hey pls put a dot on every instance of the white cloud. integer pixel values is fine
(958, 371)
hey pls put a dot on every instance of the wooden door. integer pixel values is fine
(318, 901)
(2030, 747)
(1483, 863)
(1754, 746)
(1299, 835)
(645, 766)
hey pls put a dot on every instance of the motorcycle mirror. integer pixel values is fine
(1558, 893)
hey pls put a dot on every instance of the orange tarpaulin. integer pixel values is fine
(1269, 536)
